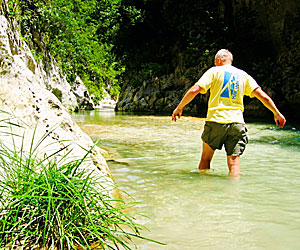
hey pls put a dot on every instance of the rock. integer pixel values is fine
(49, 74)
(125, 99)
(56, 82)
(84, 100)
(28, 102)
(107, 102)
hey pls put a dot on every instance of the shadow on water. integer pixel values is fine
(270, 134)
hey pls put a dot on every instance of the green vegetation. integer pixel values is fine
(53, 203)
(79, 35)
(111, 42)
(101, 39)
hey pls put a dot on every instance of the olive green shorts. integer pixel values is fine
(232, 135)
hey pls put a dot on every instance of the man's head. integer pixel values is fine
(223, 57)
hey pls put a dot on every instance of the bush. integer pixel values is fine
(80, 35)
(55, 204)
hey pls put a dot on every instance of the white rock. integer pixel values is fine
(27, 102)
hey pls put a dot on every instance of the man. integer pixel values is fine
(225, 123)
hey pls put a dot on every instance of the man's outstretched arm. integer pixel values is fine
(188, 97)
(268, 102)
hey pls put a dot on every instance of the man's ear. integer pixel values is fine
(218, 61)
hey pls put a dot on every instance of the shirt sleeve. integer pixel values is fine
(251, 85)
(205, 81)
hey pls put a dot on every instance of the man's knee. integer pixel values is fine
(233, 159)
(233, 163)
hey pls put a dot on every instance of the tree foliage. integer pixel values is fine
(79, 34)
(171, 33)
(108, 41)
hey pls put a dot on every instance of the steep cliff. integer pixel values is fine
(31, 110)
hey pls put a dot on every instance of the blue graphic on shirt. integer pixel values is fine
(230, 86)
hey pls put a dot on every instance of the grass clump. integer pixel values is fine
(53, 204)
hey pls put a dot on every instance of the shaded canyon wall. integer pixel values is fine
(273, 26)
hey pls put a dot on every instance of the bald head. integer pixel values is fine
(223, 57)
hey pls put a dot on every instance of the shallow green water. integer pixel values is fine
(153, 159)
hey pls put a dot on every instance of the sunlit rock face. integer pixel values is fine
(17, 62)
(83, 98)
(35, 103)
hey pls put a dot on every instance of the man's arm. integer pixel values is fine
(268, 102)
(188, 97)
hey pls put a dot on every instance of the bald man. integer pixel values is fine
(225, 123)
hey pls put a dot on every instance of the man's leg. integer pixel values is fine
(206, 157)
(233, 163)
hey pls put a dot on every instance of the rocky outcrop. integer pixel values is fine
(31, 106)
(50, 75)
(160, 95)
(81, 93)
(107, 102)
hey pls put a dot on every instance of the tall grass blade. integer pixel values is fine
(52, 203)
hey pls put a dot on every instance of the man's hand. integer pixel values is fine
(176, 112)
(268, 102)
(188, 97)
(279, 119)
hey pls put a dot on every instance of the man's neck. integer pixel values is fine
(226, 63)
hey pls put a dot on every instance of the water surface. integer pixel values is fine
(153, 158)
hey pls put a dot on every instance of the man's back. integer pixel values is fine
(227, 85)
(223, 127)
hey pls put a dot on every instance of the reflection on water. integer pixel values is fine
(153, 158)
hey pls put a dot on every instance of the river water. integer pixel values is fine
(153, 159)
